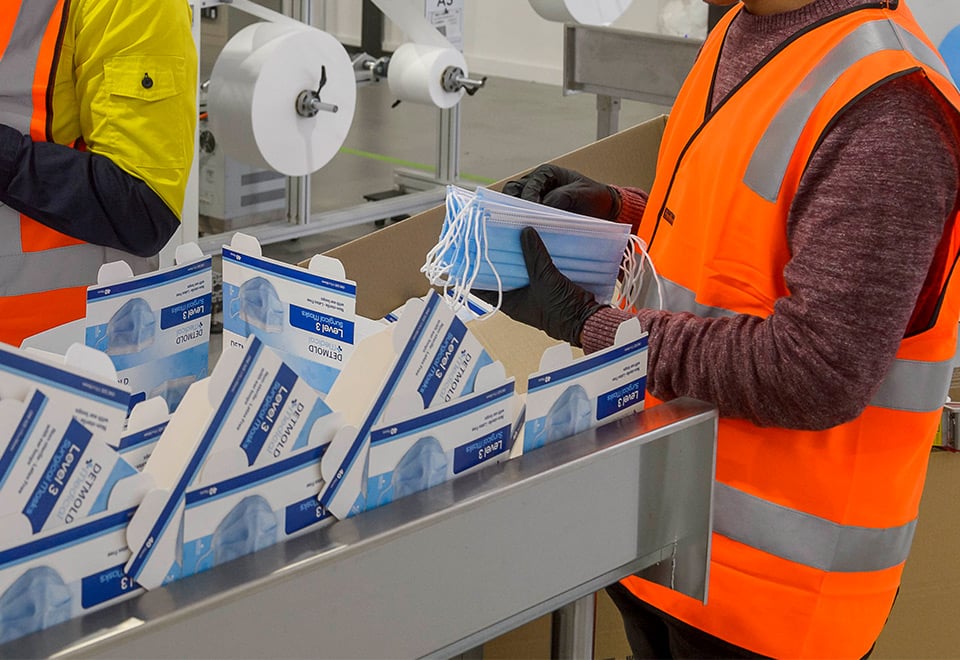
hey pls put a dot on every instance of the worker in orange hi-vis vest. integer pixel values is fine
(803, 222)
(97, 118)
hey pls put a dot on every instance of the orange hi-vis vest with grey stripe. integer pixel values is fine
(43, 273)
(811, 528)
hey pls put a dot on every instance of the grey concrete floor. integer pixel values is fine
(507, 127)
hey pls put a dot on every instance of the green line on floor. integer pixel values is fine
(409, 163)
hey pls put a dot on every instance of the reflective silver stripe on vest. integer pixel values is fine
(679, 299)
(19, 63)
(806, 539)
(769, 162)
(909, 385)
(914, 386)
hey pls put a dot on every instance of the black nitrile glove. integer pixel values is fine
(568, 190)
(552, 302)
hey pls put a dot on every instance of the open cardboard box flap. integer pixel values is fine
(386, 264)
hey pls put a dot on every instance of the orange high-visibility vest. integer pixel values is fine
(43, 273)
(811, 528)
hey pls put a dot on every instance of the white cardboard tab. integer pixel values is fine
(145, 425)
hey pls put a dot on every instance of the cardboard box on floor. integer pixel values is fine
(386, 268)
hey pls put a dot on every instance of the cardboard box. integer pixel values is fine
(386, 264)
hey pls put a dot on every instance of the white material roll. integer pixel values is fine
(415, 73)
(253, 94)
(585, 12)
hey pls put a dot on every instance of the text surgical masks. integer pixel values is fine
(37, 599)
(131, 329)
(479, 247)
(259, 305)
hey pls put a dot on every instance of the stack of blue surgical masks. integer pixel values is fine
(479, 247)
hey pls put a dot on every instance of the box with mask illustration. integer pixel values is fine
(305, 314)
(65, 499)
(155, 327)
(235, 469)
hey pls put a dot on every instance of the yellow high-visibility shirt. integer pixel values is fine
(126, 84)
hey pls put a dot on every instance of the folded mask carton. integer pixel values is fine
(569, 395)
(306, 314)
(428, 358)
(252, 428)
(414, 448)
(155, 327)
(57, 575)
(63, 549)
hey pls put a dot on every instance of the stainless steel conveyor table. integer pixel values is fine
(442, 571)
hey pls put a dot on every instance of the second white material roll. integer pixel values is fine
(253, 92)
(585, 12)
(415, 74)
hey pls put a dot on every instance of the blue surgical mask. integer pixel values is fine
(479, 246)
(259, 305)
(423, 465)
(250, 526)
(36, 600)
(131, 329)
(570, 414)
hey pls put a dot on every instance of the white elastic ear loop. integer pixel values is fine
(441, 257)
(433, 264)
(632, 267)
(463, 252)
(493, 269)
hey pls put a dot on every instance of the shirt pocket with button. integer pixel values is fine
(148, 125)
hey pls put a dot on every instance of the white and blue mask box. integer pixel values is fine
(83, 382)
(252, 411)
(145, 425)
(428, 354)
(412, 451)
(570, 395)
(53, 471)
(227, 517)
(155, 327)
(308, 315)
(56, 575)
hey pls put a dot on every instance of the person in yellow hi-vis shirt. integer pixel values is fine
(97, 118)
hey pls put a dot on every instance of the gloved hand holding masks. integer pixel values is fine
(568, 190)
(551, 302)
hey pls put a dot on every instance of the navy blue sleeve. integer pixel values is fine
(82, 195)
